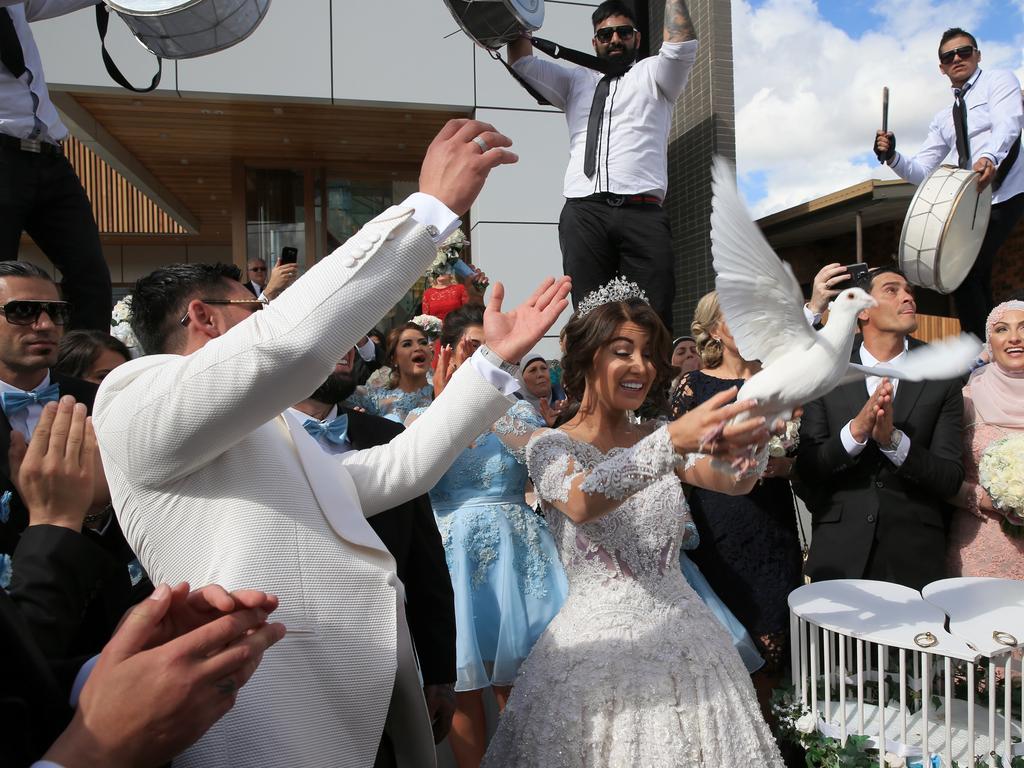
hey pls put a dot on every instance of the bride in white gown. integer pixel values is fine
(634, 670)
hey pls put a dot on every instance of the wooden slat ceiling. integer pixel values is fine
(189, 144)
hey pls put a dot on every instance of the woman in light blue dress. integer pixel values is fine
(408, 352)
(505, 572)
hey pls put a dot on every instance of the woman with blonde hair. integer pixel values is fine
(749, 547)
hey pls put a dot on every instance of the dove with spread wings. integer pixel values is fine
(762, 304)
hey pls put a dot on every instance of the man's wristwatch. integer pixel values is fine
(492, 357)
(894, 440)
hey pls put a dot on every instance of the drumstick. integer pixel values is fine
(885, 114)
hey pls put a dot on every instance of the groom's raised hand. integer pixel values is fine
(456, 165)
(512, 334)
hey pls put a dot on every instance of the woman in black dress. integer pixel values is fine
(749, 547)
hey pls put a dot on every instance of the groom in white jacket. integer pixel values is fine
(182, 430)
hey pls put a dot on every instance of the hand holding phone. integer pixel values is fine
(289, 255)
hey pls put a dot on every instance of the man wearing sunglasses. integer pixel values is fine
(613, 222)
(182, 430)
(32, 321)
(980, 130)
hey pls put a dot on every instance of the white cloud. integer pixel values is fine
(808, 96)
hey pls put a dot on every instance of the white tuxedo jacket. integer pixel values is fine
(212, 484)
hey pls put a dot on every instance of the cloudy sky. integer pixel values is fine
(809, 77)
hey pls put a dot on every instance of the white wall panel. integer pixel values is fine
(70, 49)
(567, 24)
(401, 51)
(520, 256)
(288, 55)
(530, 190)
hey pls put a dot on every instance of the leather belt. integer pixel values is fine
(35, 146)
(619, 200)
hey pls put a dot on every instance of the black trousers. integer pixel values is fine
(974, 296)
(41, 195)
(600, 241)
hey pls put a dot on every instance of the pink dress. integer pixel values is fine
(978, 545)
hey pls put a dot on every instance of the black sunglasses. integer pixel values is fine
(27, 311)
(964, 52)
(605, 34)
(253, 305)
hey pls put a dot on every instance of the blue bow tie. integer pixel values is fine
(12, 402)
(335, 430)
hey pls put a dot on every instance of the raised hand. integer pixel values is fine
(455, 167)
(708, 429)
(551, 411)
(56, 472)
(885, 146)
(512, 334)
(823, 290)
(881, 432)
(281, 276)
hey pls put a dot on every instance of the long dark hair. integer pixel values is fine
(391, 347)
(585, 336)
(78, 350)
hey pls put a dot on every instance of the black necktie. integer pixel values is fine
(963, 147)
(10, 47)
(594, 125)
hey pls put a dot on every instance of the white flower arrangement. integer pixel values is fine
(1001, 471)
(782, 444)
(806, 723)
(430, 324)
(120, 325)
(448, 253)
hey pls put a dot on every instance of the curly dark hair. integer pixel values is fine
(391, 346)
(585, 336)
(458, 320)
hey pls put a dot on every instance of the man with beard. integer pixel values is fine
(613, 222)
(410, 534)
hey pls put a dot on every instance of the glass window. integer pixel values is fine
(275, 214)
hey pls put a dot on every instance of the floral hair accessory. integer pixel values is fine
(430, 324)
(616, 289)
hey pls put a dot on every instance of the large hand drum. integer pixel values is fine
(183, 29)
(495, 23)
(944, 229)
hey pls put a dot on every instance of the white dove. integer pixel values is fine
(762, 304)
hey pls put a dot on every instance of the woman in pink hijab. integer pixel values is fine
(980, 542)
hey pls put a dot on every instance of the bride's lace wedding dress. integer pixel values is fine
(634, 670)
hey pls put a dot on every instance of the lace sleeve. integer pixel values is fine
(516, 427)
(626, 472)
(362, 398)
(550, 465)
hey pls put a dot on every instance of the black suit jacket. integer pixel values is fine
(56, 574)
(108, 601)
(251, 287)
(410, 534)
(871, 519)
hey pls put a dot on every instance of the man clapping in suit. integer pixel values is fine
(181, 430)
(877, 462)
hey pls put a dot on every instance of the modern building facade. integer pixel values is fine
(312, 125)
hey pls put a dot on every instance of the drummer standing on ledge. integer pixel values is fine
(988, 142)
(612, 222)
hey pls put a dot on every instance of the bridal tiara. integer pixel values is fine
(616, 289)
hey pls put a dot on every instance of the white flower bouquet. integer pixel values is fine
(1001, 472)
(430, 324)
(448, 253)
(780, 445)
(120, 325)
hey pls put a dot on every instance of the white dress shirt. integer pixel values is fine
(637, 117)
(995, 117)
(853, 448)
(26, 419)
(26, 111)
